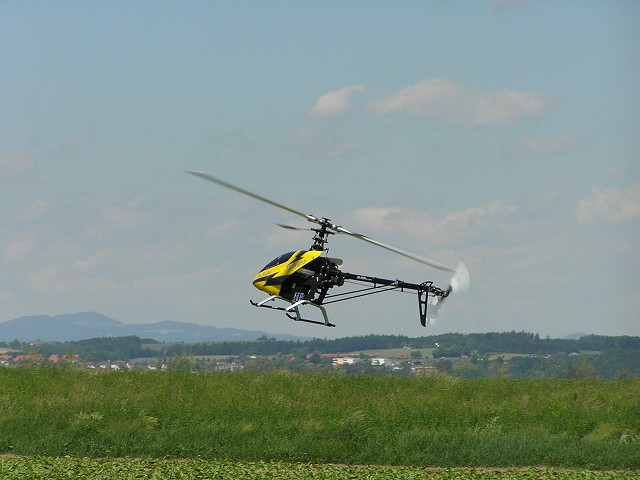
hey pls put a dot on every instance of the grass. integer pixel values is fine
(285, 417)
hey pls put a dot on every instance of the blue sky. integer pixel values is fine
(503, 134)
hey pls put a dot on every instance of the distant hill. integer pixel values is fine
(85, 325)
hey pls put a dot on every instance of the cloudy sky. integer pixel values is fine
(503, 134)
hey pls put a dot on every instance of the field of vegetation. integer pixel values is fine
(321, 419)
(39, 468)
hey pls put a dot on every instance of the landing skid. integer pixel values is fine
(294, 308)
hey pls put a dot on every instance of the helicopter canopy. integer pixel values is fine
(277, 261)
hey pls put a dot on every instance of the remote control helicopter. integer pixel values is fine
(305, 277)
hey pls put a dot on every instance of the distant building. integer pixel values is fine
(427, 370)
(378, 361)
(340, 361)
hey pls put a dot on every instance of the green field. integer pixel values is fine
(39, 468)
(319, 419)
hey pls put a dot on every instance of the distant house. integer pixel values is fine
(327, 355)
(340, 361)
(427, 370)
(37, 358)
(378, 361)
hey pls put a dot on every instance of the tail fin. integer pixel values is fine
(430, 298)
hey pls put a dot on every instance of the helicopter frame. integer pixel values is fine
(304, 277)
(426, 292)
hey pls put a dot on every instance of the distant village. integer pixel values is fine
(307, 362)
(403, 364)
(511, 354)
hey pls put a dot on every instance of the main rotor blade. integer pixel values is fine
(404, 253)
(297, 229)
(323, 222)
(210, 178)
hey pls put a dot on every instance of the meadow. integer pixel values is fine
(284, 418)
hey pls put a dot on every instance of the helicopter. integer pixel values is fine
(305, 277)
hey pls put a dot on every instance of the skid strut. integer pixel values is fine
(294, 308)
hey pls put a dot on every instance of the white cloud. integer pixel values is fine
(446, 100)
(336, 102)
(418, 225)
(423, 98)
(501, 108)
(92, 261)
(610, 205)
(13, 163)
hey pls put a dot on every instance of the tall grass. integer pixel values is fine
(439, 421)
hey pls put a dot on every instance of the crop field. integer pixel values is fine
(39, 468)
(285, 425)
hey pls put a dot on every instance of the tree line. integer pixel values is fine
(446, 345)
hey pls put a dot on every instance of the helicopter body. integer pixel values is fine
(284, 274)
(305, 277)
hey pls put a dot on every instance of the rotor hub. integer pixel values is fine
(322, 234)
